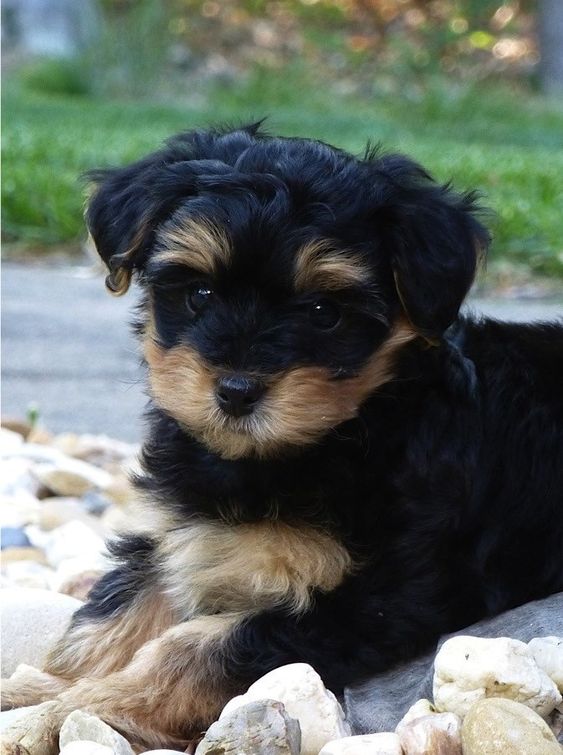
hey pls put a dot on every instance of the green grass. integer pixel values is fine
(507, 145)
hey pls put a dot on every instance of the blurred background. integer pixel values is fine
(473, 89)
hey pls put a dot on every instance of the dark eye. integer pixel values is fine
(198, 296)
(324, 314)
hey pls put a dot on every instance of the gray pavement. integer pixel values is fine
(67, 347)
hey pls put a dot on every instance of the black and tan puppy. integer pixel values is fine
(339, 468)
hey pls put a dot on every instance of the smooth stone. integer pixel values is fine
(37, 452)
(16, 475)
(95, 503)
(11, 555)
(421, 708)
(468, 669)
(436, 733)
(10, 440)
(57, 510)
(86, 747)
(71, 477)
(32, 623)
(301, 690)
(160, 752)
(17, 426)
(13, 537)
(32, 733)
(79, 726)
(548, 654)
(19, 509)
(498, 726)
(383, 743)
(71, 540)
(253, 729)
(9, 717)
(96, 449)
(28, 574)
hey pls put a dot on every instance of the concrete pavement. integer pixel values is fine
(67, 347)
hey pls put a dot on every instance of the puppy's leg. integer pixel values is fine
(172, 689)
(125, 609)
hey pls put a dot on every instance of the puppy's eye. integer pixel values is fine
(198, 297)
(324, 314)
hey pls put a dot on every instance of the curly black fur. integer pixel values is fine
(446, 487)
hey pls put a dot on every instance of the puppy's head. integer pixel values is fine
(281, 277)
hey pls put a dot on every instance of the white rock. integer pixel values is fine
(32, 623)
(10, 717)
(28, 574)
(436, 733)
(71, 477)
(499, 726)
(384, 743)
(468, 669)
(548, 654)
(71, 540)
(161, 752)
(96, 449)
(9, 441)
(35, 452)
(16, 476)
(79, 726)
(58, 510)
(86, 747)
(301, 690)
(421, 708)
(18, 509)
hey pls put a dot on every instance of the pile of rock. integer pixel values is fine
(61, 495)
(59, 498)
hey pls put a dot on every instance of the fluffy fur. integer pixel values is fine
(397, 473)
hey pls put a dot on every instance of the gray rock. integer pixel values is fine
(379, 703)
(80, 726)
(498, 726)
(13, 537)
(253, 729)
(95, 503)
(301, 690)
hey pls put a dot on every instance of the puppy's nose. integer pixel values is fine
(238, 395)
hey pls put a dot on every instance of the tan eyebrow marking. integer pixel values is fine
(319, 264)
(197, 243)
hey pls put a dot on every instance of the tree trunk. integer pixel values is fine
(551, 46)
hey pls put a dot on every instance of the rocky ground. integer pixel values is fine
(62, 494)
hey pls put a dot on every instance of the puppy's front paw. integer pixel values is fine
(29, 686)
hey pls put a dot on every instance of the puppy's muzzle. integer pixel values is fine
(238, 395)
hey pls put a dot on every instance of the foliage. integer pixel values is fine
(366, 45)
(510, 147)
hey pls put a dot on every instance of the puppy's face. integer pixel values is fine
(271, 304)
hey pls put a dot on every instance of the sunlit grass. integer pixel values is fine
(509, 146)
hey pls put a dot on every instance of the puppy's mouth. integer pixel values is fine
(239, 415)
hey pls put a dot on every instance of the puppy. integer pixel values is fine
(339, 467)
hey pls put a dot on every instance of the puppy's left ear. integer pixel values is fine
(434, 240)
(121, 215)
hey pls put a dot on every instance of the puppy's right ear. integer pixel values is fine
(121, 214)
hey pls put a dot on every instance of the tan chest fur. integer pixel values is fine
(210, 567)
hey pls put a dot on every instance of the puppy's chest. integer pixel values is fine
(209, 566)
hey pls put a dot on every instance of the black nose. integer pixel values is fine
(238, 395)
